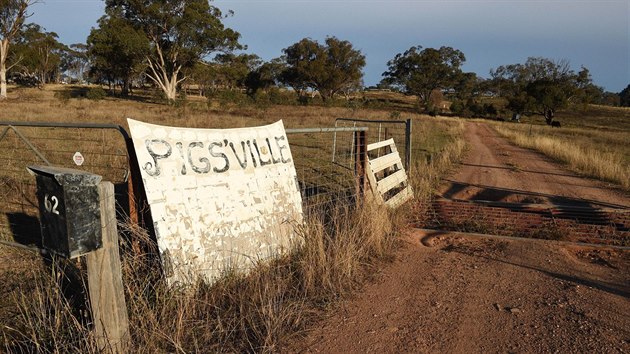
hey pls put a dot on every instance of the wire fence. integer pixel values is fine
(327, 173)
(379, 130)
(102, 151)
(329, 163)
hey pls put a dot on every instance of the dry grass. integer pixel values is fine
(42, 105)
(600, 154)
(429, 170)
(258, 312)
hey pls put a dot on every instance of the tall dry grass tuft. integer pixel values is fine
(426, 174)
(581, 155)
(260, 311)
(51, 314)
(257, 312)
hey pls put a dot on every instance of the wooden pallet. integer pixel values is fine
(387, 176)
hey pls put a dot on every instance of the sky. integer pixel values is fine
(490, 33)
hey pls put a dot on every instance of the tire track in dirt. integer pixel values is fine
(469, 295)
(495, 170)
(454, 294)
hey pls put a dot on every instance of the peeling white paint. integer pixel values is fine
(221, 199)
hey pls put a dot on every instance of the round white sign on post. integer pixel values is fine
(78, 158)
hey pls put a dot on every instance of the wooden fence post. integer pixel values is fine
(408, 146)
(107, 297)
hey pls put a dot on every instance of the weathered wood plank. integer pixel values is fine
(374, 186)
(379, 164)
(107, 297)
(392, 181)
(380, 144)
(400, 198)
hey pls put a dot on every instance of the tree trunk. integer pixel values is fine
(165, 79)
(4, 49)
(3, 81)
(170, 88)
(124, 91)
(549, 113)
(168, 83)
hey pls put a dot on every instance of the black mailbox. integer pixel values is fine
(70, 214)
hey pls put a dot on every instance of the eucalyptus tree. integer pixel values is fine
(328, 68)
(264, 76)
(38, 53)
(116, 51)
(420, 71)
(543, 86)
(13, 13)
(75, 61)
(180, 33)
(624, 97)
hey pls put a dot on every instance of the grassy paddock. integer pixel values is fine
(257, 312)
(602, 154)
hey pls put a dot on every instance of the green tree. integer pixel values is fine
(12, 16)
(75, 61)
(264, 76)
(116, 51)
(419, 71)
(328, 68)
(467, 85)
(232, 70)
(624, 97)
(225, 71)
(585, 91)
(38, 53)
(180, 33)
(542, 86)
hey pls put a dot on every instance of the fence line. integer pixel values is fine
(108, 153)
(103, 147)
(399, 130)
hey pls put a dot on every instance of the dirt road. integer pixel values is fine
(455, 294)
(498, 171)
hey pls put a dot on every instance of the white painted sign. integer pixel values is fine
(221, 199)
(78, 158)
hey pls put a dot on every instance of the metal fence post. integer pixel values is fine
(360, 161)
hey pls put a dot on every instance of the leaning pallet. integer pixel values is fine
(386, 174)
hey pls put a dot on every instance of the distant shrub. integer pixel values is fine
(96, 94)
(181, 101)
(305, 100)
(227, 98)
(277, 96)
(490, 110)
(354, 104)
(457, 107)
(63, 96)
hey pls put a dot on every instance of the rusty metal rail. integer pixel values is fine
(102, 149)
(591, 224)
(108, 152)
(399, 130)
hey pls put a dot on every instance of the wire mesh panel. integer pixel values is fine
(380, 130)
(98, 149)
(325, 183)
(329, 172)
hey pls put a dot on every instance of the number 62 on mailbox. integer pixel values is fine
(69, 210)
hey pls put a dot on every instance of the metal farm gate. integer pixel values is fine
(98, 148)
(380, 130)
(330, 174)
